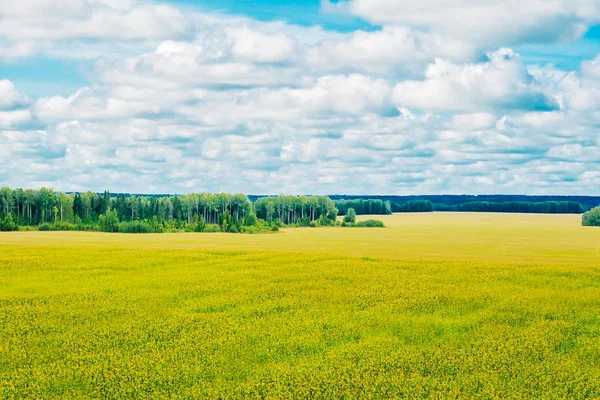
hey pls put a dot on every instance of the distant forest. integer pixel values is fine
(381, 207)
(46, 209)
(488, 203)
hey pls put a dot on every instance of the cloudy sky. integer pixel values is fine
(272, 96)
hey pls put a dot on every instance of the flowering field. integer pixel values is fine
(440, 305)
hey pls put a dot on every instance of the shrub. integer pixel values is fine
(212, 228)
(371, 223)
(250, 219)
(135, 227)
(304, 222)
(350, 216)
(199, 224)
(7, 224)
(275, 228)
(44, 227)
(591, 218)
(325, 221)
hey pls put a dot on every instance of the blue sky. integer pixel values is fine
(356, 96)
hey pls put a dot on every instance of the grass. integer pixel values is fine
(435, 305)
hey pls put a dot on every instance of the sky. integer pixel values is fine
(301, 97)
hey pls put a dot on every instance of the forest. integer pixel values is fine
(46, 209)
(479, 202)
(546, 207)
(384, 207)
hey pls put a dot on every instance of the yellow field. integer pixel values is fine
(435, 305)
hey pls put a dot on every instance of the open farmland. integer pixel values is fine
(439, 305)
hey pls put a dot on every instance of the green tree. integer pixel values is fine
(7, 223)
(78, 206)
(591, 218)
(109, 221)
(105, 202)
(200, 224)
(250, 219)
(55, 212)
(350, 217)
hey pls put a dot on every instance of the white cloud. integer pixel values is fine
(86, 104)
(269, 107)
(390, 50)
(78, 19)
(501, 83)
(488, 22)
(581, 90)
(249, 45)
(9, 96)
(476, 121)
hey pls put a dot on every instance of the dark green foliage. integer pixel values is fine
(45, 227)
(304, 222)
(59, 226)
(109, 221)
(350, 216)
(200, 225)
(105, 202)
(591, 218)
(413, 206)
(547, 207)
(364, 206)
(372, 223)
(225, 222)
(8, 224)
(78, 210)
(250, 219)
(136, 227)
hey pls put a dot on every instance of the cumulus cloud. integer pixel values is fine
(488, 22)
(255, 46)
(14, 106)
(581, 90)
(391, 49)
(80, 19)
(221, 102)
(9, 96)
(502, 83)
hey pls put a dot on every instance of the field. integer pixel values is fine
(437, 305)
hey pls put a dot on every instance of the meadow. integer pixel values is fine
(437, 305)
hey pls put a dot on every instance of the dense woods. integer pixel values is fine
(448, 202)
(546, 207)
(414, 206)
(46, 209)
(364, 206)
(381, 207)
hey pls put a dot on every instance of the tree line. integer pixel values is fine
(46, 209)
(364, 206)
(546, 207)
(381, 207)
(448, 202)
